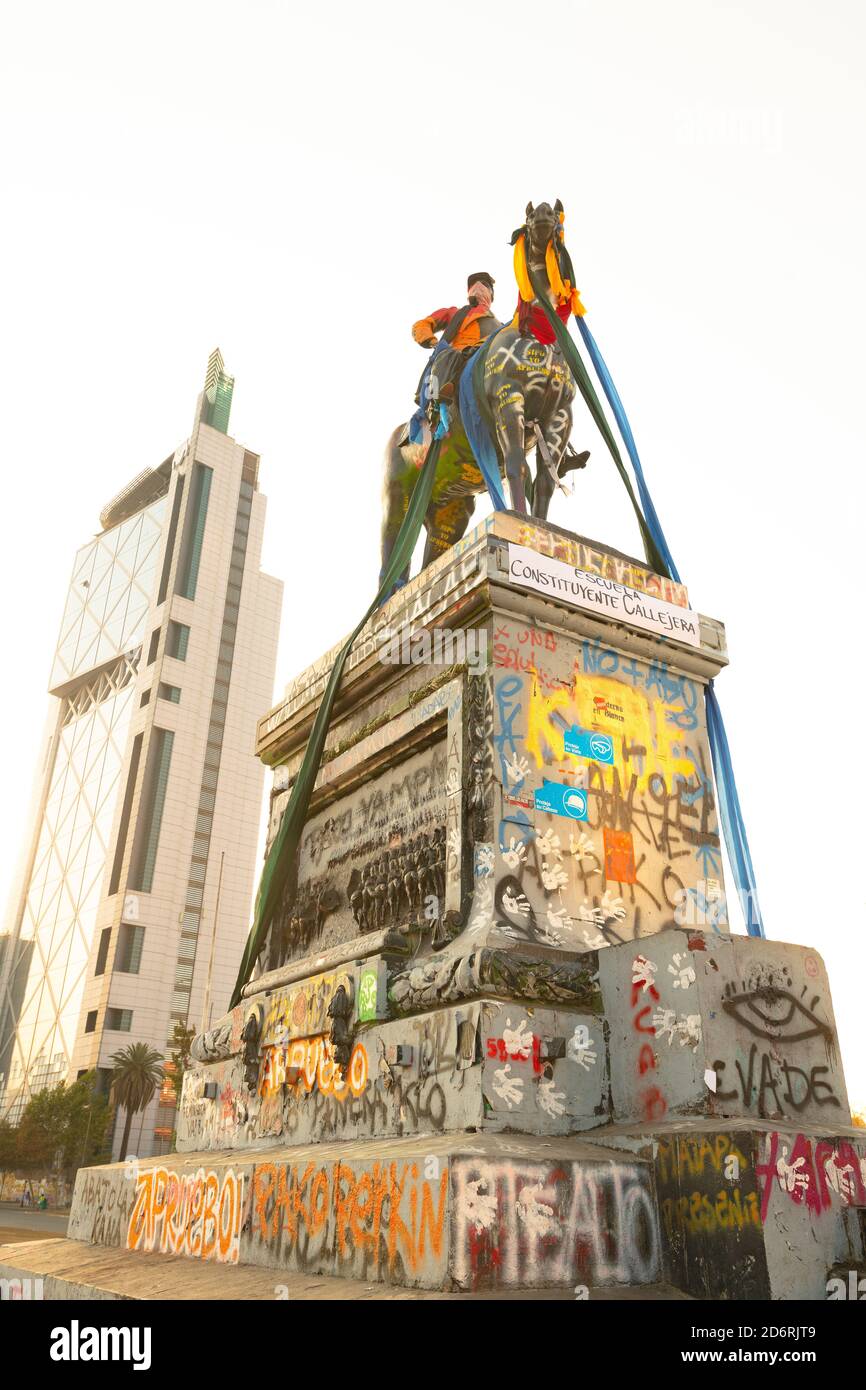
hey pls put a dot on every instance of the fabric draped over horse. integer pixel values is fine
(530, 317)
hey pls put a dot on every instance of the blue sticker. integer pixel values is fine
(587, 743)
(561, 800)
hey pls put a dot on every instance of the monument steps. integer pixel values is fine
(449, 1212)
(70, 1270)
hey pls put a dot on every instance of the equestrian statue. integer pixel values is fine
(524, 390)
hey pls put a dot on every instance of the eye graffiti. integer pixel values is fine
(766, 1004)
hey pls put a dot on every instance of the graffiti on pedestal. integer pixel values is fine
(710, 1210)
(308, 1064)
(819, 1175)
(785, 1061)
(544, 1071)
(101, 1208)
(194, 1214)
(381, 1220)
(608, 827)
(519, 1223)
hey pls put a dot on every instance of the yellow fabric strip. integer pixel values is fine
(563, 289)
(521, 274)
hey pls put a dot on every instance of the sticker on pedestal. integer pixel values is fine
(559, 800)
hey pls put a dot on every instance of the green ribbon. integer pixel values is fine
(569, 351)
(281, 856)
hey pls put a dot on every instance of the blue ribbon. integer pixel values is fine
(730, 811)
(480, 442)
(616, 406)
(731, 816)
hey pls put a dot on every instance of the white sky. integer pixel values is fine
(299, 183)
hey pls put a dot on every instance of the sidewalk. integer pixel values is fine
(73, 1270)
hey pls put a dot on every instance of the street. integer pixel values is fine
(18, 1223)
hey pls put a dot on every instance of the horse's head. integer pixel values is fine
(541, 223)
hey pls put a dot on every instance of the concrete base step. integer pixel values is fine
(754, 1210)
(70, 1270)
(450, 1212)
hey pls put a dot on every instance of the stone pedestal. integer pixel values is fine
(500, 1034)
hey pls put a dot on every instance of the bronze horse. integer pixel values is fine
(526, 384)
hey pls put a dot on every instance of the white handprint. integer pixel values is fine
(479, 1208)
(538, 1216)
(514, 903)
(553, 876)
(515, 854)
(841, 1178)
(518, 1041)
(665, 1021)
(613, 908)
(684, 975)
(516, 770)
(559, 918)
(579, 1047)
(790, 1178)
(549, 844)
(551, 1101)
(508, 1088)
(643, 972)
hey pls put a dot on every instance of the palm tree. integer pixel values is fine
(136, 1073)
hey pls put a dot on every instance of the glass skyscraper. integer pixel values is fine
(140, 867)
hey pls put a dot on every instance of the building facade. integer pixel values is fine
(138, 876)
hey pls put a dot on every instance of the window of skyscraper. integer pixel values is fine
(129, 949)
(194, 531)
(118, 1020)
(123, 829)
(170, 539)
(177, 640)
(150, 817)
(102, 953)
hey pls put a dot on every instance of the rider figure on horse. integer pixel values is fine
(464, 330)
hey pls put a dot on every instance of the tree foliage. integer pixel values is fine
(136, 1072)
(181, 1039)
(62, 1128)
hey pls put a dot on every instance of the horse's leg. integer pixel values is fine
(446, 523)
(508, 409)
(555, 430)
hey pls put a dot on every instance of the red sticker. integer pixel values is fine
(619, 856)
